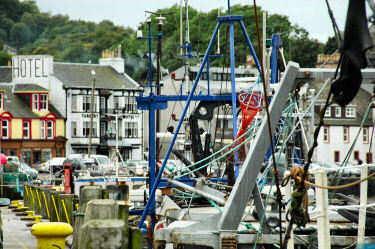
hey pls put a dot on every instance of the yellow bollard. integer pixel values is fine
(14, 203)
(30, 214)
(51, 235)
(37, 218)
(19, 205)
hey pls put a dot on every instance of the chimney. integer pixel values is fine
(113, 59)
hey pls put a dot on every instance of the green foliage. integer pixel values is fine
(24, 26)
(331, 45)
(4, 58)
(20, 34)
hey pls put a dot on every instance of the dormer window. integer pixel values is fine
(35, 102)
(338, 112)
(350, 112)
(1, 101)
(44, 102)
(5, 129)
(40, 102)
(328, 112)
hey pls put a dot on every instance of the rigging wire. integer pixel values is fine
(275, 171)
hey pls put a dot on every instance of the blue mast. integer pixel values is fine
(152, 103)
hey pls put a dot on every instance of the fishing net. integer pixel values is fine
(251, 103)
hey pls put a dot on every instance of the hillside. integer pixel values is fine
(24, 27)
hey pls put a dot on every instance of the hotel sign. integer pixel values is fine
(32, 68)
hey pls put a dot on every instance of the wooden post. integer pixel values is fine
(288, 195)
(363, 203)
(324, 240)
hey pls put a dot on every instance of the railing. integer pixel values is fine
(323, 207)
(118, 111)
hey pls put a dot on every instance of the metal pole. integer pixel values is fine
(152, 159)
(251, 47)
(181, 50)
(117, 152)
(234, 97)
(149, 52)
(157, 181)
(362, 209)
(324, 240)
(92, 112)
(158, 90)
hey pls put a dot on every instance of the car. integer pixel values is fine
(30, 173)
(133, 168)
(13, 159)
(55, 163)
(102, 161)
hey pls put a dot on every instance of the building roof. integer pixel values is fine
(5, 74)
(22, 88)
(17, 106)
(74, 75)
(360, 103)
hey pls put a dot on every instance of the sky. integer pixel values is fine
(309, 14)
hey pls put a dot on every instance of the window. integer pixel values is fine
(102, 128)
(365, 135)
(86, 129)
(43, 129)
(74, 129)
(1, 100)
(127, 153)
(368, 157)
(337, 111)
(102, 104)
(337, 156)
(131, 129)
(86, 103)
(356, 155)
(349, 112)
(326, 134)
(74, 103)
(5, 129)
(49, 129)
(346, 134)
(44, 102)
(35, 102)
(26, 129)
(116, 102)
(328, 112)
(131, 104)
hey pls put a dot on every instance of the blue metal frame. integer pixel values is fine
(276, 44)
(151, 102)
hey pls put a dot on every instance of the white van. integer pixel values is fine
(102, 161)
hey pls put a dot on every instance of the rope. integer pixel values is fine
(284, 130)
(288, 109)
(219, 151)
(66, 212)
(296, 175)
(275, 171)
(54, 204)
(45, 201)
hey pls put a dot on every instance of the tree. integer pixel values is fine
(20, 34)
(4, 58)
(331, 45)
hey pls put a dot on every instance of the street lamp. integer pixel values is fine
(92, 111)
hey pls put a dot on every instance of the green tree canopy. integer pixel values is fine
(20, 34)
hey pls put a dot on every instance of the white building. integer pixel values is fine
(70, 87)
(341, 125)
